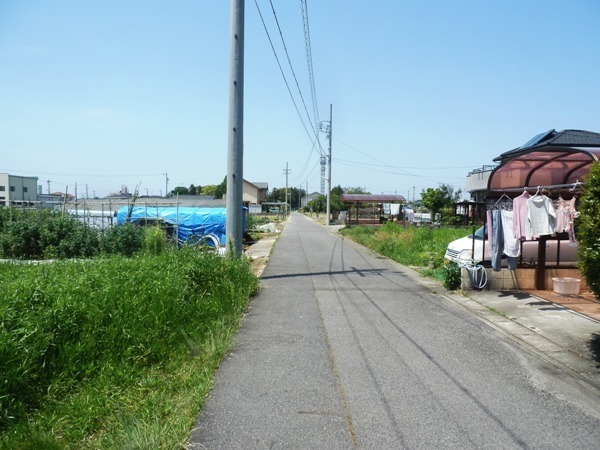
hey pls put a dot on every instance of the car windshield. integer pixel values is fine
(479, 233)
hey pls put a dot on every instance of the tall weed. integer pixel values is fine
(83, 333)
(414, 246)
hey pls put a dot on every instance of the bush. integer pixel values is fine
(155, 240)
(44, 234)
(452, 279)
(125, 239)
(66, 237)
(588, 229)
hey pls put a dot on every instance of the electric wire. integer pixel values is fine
(309, 61)
(312, 125)
(399, 171)
(281, 69)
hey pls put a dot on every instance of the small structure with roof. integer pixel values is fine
(370, 208)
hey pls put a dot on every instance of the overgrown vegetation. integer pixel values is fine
(588, 229)
(113, 344)
(414, 246)
(45, 234)
(114, 352)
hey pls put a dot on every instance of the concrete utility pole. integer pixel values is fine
(286, 171)
(235, 147)
(329, 166)
(166, 184)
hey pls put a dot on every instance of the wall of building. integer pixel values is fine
(17, 190)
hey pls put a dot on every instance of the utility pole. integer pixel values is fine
(48, 181)
(286, 171)
(166, 184)
(413, 194)
(235, 147)
(329, 166)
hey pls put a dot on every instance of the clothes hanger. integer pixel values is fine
(500, 198)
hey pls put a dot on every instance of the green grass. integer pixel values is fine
(414, 246)
(114, 352)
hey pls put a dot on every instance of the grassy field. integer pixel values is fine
(114, 352)
(414, 246)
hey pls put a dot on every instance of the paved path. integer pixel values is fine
(345, 349)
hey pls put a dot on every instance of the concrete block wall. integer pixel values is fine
(521, 279)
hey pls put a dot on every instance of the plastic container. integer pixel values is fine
(566, 286)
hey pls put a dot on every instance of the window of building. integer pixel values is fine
(2, 188)
(12, 189)
(24, 189)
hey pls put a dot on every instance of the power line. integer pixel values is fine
(309, 59)
(281, 70)
(312, 125)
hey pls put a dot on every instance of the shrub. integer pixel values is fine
(155, 240)
(452, 279)
(125, 239)
(588, 229)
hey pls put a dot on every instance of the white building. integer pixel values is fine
(18, 191)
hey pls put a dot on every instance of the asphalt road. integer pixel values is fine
(345, 349)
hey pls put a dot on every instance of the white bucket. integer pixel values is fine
(566, 286)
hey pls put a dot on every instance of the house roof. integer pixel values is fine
(548, 159)
(553, 138)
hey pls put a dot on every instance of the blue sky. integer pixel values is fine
(112, 93)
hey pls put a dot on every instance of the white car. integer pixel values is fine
(468, 249)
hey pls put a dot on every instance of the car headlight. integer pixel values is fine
(466, 255)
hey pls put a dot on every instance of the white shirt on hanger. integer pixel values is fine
(541, 217)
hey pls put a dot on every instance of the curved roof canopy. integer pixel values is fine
(549, 159)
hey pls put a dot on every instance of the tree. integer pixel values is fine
(221, 189)
(209, 189)
(194, 190)
(589, 229)
(439, 198)
(181, 190)
(356, 190)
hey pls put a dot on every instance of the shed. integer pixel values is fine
(359, 199)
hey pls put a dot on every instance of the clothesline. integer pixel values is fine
(573, 186)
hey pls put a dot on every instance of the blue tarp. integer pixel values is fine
(189, 221)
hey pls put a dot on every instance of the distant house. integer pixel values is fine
(254, 193)
(310, 197)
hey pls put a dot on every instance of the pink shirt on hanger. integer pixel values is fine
(520, 214)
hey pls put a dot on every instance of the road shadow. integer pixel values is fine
(360, 272)
(594, 345)
(519, 295)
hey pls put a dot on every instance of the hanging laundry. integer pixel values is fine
(520, 215)
(512, 247)
(497, 240)
(394, 209)
(488, 234)
(541, 217)
(565, 211)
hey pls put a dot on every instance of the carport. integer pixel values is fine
(552, 162)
